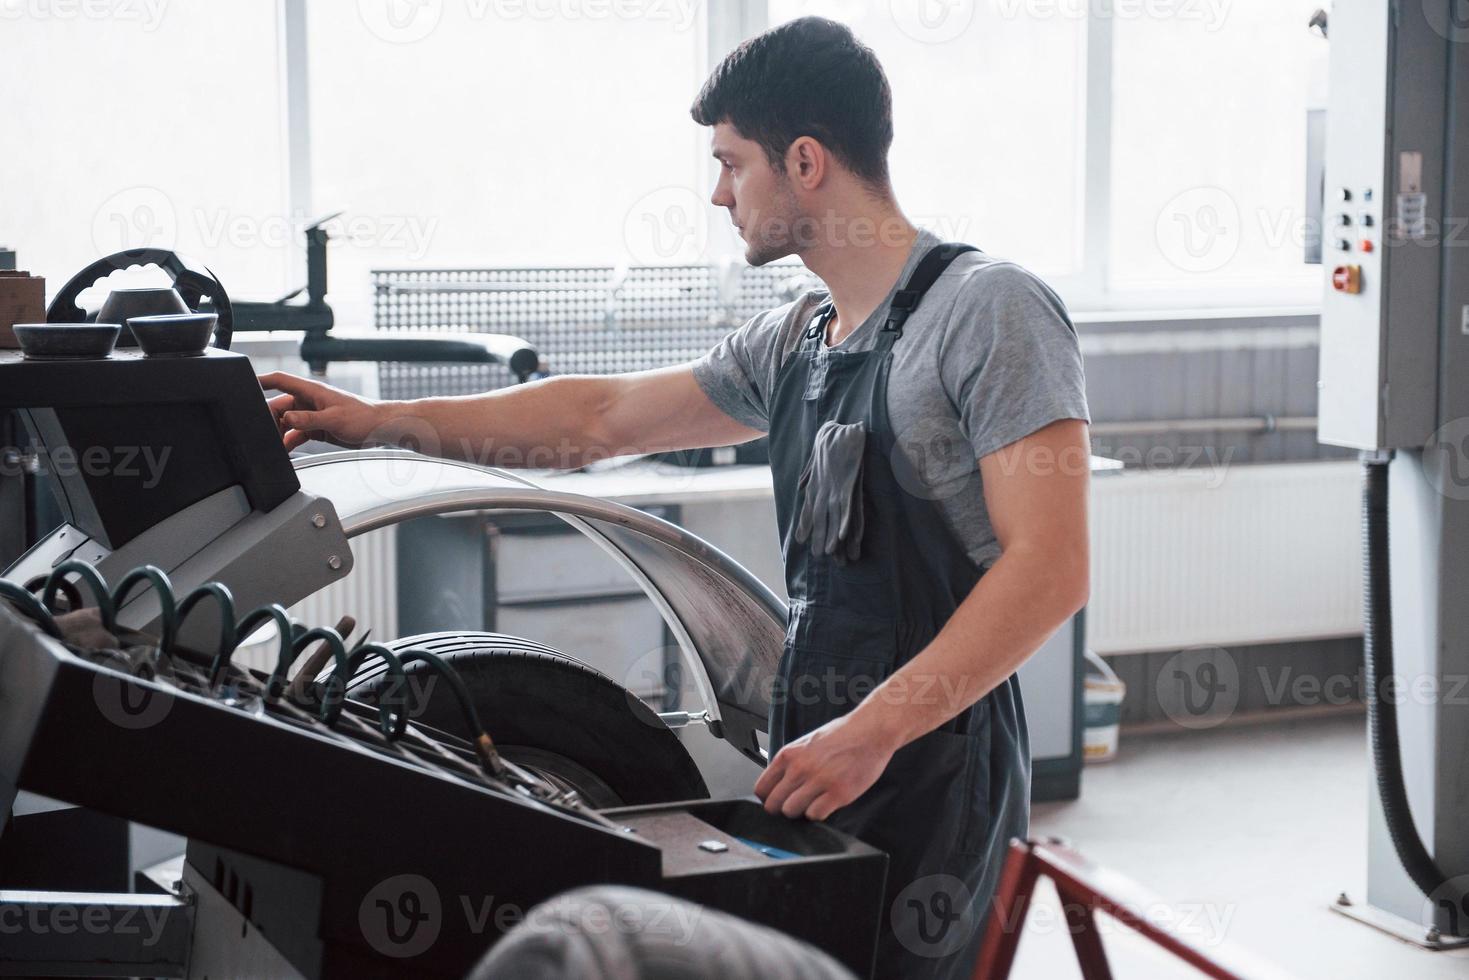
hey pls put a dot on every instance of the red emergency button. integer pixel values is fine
(1347, 278)
(1366, 244)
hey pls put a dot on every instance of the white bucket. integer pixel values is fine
(1102, 698)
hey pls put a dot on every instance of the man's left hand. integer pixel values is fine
(823, 771)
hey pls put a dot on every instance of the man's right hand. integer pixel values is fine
(558, 422)
(307, 410)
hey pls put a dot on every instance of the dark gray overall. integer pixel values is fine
(948, 803)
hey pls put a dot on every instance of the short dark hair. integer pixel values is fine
(810, 77)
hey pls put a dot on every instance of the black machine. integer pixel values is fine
(202, 291)
(346, 829)
(320, 347)
(303, 827)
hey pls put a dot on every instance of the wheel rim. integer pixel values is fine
(565, 774)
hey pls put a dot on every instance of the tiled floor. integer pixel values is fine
(1253, 829)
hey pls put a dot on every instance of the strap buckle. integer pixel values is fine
(817, 325)
(905, 301)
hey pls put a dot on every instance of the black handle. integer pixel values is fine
(193, 283)
(318, 350)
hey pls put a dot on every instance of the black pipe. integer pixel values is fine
(1382, 711)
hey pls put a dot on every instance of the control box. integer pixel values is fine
(1381, 226)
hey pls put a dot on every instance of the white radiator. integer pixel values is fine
(369, 594)
(1250, 553)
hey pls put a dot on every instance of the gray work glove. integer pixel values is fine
(831, 492)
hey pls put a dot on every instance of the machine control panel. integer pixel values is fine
(1383, 178)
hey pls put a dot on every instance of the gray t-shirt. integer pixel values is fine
(987, 358)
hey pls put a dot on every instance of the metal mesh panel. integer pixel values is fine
(583, 320)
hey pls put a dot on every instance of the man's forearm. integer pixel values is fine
(564, 421)
(1015, 607)
(544, 424)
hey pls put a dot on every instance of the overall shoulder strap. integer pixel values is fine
(929, 268)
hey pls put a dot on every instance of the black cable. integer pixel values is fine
(31, 606)
(393, 710)
(331, 637)
(73, 595)
(392, 723)
(1382, 712)
(228, 638)
(252, 621)
(88, 574)
(483, 744)
(167, 603)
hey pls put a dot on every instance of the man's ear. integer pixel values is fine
(806, 162)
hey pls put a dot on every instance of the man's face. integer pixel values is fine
(761, 203)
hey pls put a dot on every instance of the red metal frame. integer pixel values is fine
(1085, 888)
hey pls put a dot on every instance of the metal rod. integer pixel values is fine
(1247, 423)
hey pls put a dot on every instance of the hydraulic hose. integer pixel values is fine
(1382, 712)
(393, 711)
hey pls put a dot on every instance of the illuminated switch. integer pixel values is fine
(1347, 278)
(1366, 245)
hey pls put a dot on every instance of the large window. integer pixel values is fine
(133, 124)
(1209, 148)
(485, 134)
(1176, 178)
(988, 112)
(1134, 152)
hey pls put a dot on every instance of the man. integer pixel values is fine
(927, 422)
